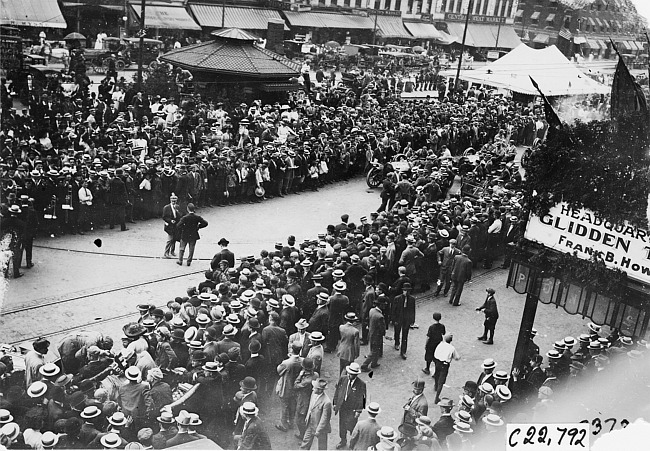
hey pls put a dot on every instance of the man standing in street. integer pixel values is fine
(349, 346)
(254, 435)
(434, 337)
(461, 272)
(364, 436)
(224, 254)
(171, 216)
(318, 418)
(349, 401)
(403, 316)
(288, 371)
(377, 330)
(417, 405)
(443, 356)
(445, 260)
(338, 305)
(489, 307)
(118, 199)
(188, 227)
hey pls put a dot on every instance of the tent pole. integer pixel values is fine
(462, 45)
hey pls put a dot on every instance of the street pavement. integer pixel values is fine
(76, 284)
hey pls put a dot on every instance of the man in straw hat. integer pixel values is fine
(364, 434)
(254, 435)
(349, 401)
(183, 421)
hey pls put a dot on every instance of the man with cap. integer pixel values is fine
(349, 401)
(254, 435)
(364, 436)
(288, 370)
(445, 260)
(445, 424)
(170, 216)
(349, 345)
(319, 413)
(403, 315)
(376, 332)
(167, 429)
(417, 405)
(489, 307)
(35, 359)
(443, 355)
(461, 272)
(188, 227)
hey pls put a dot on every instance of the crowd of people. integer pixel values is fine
(211, 363)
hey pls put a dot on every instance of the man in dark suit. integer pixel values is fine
(403, 315)
(223, 254)
(445, 425)
(171, 216)
(188, 227)
(319, 321)
(376, 331)
(512, 235)
(417, 405)
(349, 346)
(489, 307)
(254, 435)
(118, 199)
(349, 401)
(461, 272)
(183, 435)
(338, 306)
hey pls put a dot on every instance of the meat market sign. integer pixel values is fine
(622, 246)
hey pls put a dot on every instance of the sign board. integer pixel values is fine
(452, 17)
(493, 55)
(622, 246)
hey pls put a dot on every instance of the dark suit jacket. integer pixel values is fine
(319, 321)
(223, 254)
(189, 226)
(179, 439)
(254, 436)
(168, 217)
(356, 395)
(401, 314)
(376, 324)
(444, 427)
(461, 269)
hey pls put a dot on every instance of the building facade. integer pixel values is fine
(579, 28)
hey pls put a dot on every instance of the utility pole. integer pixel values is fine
(141, 33)
(462, 45)
(223, 14)
(374, 30)
(648, 39)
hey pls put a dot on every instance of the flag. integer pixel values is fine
(551, 116)
(627, 96)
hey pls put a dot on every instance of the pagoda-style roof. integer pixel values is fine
(233, 52)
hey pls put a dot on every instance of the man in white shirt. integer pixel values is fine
(494, 238)
(443, 356)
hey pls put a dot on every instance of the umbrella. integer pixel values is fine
(74, 36)
(418, 49)
(332, 44)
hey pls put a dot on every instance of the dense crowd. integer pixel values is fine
(211, 363)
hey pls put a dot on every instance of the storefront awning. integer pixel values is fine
(169, 17)
(601, 43)
(608, 26)
(391, 27)
(422, 30)
(484, 35)
(591, 21)
(550, 18)
(541, 38)
(325, 20)
(592, 44)
(623, 45)
(32, 13)
(519, 13)
(244, 18)
(535, 15)
(598, 22)
(579, 40)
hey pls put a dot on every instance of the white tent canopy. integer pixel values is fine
(555, 75)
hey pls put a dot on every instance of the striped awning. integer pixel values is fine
(519, 13)
(592, 44)
(168, 17)
(32, 13)
(422, 30)
(327, 20)
(210, 16)
(391, 27)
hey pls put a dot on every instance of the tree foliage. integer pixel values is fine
(603, 166)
